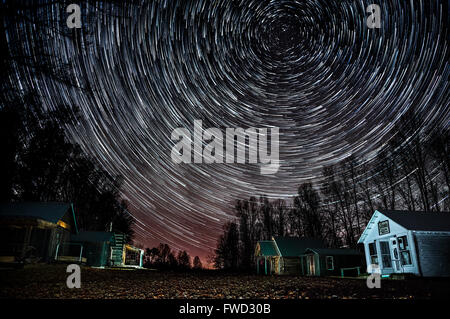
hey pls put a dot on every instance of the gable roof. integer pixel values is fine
(424, 221)
(268, 248)
(93, 237)
(49, 211)
(412, 220)
(294, 246)
(334, 251)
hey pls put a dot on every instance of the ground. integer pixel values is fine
(49, 281)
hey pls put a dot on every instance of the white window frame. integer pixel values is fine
(374, 243)
(407, 249)
(332, 262)
(388, 253)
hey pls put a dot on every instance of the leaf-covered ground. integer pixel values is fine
(49, 281)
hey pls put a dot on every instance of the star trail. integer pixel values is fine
(313, 68)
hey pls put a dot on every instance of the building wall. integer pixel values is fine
(32, 240)
(58, 239)
(433, 252)
(290, 265)
(268, 265)
(97, 254)
(314, 268)
(340, 261)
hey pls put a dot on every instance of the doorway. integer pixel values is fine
(311, 265)
(395, 255)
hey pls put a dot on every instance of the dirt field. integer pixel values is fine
(49, 281)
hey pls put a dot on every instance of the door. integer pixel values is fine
(395, 254)
(311, 266)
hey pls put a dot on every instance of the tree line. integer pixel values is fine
(411, 172)
(164, 258)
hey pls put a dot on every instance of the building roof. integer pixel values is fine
(268, 248)
(334, 251)
(93, 237)
(421, 221)
(294, 246)
(49, 211)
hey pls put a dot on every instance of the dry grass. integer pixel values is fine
(49, 281)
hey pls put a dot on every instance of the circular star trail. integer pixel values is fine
(314, 69)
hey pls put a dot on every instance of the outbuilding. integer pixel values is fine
(408, 242)
(35, 230)
(94, 247)
(106, 249)
(124, 254)
(283, 255)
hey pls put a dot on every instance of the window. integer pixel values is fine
(373, 254)
(330, 263)
(383, 227)
(402, 243)
(405, 256)
(385, 254)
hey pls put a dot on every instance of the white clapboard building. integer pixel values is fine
(397, 242)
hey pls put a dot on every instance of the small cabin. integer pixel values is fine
(283, 255)
(35, 230)
(408, 242)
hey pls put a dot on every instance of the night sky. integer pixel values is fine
(313, 68)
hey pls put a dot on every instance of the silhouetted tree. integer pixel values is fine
(197, 264)
(151, 257)
(280, 211)
(227, 251)
(184, 260)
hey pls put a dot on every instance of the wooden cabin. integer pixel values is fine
(332, 261)
(35, 230)
(283, 255)
(408, 242)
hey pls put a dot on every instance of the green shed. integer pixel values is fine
(96, 247)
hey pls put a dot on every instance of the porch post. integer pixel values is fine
(368, 258)
(257, 265)
(265, 265)
(56, 253)
(302, 268)
(26, 241)
(81, 253)
(141, 257)
(279, 265)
